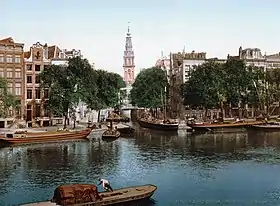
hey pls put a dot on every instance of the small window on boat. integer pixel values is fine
(9, 135)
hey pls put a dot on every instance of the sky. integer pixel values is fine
(98, 27)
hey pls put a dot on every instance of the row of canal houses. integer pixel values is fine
(21, 69)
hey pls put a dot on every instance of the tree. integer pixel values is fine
(7, 100)
(205, 87)
(67, 84)
(148, 88)
(108, 86)
(232, 83)
(238, 81)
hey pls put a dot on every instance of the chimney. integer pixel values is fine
(46, 51)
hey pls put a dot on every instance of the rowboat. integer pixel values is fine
(213, 126)
(123, 128)
(23, 137)
(108, 134)
(87, 195)
(158, 125)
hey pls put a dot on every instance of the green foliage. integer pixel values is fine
(79, 82)
(231, 83)
(212, 84)
(109, 85)
(206, 86)
(148, 87)
(7, 100)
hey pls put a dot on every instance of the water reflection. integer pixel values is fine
(206, 164)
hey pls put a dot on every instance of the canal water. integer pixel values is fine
(205, 169)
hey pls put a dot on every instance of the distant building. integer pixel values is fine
(128, 60)
(64, 55)
(36, 60)
(11, 68)
(164, 63)
(254, 57)
(129, 67)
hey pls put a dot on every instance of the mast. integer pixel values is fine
(164, 117)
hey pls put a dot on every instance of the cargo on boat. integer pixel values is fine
(23, 137)
(88, 195)
(111, 134)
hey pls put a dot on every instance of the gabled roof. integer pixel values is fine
(53, 52)
(7, 40)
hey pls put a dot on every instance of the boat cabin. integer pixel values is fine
(14, 134)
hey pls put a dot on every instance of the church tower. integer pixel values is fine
(128, 60)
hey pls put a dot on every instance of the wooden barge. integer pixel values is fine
(158, 125)
(214, 126)
(23, 137)
(87, 195)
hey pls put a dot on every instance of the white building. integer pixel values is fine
(254, 57)
(126, 100)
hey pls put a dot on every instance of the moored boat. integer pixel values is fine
(267, 127)
(213, 126)
(158, 124)
(67, 195)
(109, 134)
(23, 137)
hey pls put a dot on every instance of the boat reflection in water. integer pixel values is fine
(208, 166)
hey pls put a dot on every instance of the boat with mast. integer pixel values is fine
(156, 123)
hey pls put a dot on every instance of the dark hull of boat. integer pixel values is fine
(45, 137)
(266, 128)
(167, 127)
(126, 119)
(210, 127)
(127, 130)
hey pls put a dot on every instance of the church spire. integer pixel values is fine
(128, 58)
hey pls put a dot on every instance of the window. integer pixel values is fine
(2, 48)
(37, 68)
(29, 94)
(37, 110)
(9, 74)
(37, 79)
(1, 58)
(10, 90)
(46, 93)
(45, 67)
(18, 49)
(17, 59)
(11, 48)
(9, 59)
(18, 89)
(29, 67)
(17, 74)
(46, 111)
(29, 79)
(38, 94)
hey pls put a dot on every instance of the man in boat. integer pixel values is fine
(105, 184)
